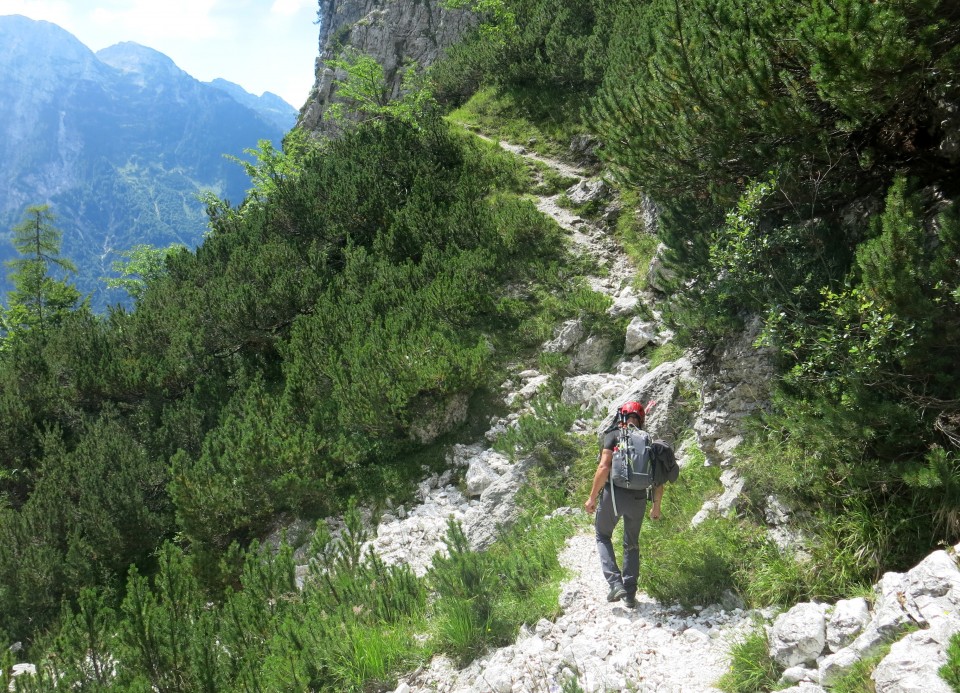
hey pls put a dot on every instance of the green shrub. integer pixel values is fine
(547, 424)
(484, 597)
(751, 668)
(950, 672)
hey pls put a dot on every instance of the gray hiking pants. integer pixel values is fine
(631, 505)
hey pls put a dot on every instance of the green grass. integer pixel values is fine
(537, 119)
(691, 565)
(664, 353)
(639, 244)
(751, 668)
(484, 597)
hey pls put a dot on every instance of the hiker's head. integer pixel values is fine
(632, 412)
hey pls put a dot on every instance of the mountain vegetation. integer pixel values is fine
(120, 143)
(803, 160)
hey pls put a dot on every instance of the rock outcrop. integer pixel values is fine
(395, 34)
(819, 643)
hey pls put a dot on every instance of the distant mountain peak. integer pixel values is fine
(119, 142)
(268, 104)
(134, 58)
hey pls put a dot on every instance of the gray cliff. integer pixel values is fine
(396, 33)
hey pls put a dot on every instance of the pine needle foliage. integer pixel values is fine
(484, 597)
(950, 672)
(364, 284)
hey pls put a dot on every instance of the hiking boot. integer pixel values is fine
(630, 601)
(616, 593)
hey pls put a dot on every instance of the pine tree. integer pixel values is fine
(38, 299)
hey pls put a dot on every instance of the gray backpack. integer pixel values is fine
(632, 465)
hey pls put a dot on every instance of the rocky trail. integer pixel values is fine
(593, 645)
(598, 646)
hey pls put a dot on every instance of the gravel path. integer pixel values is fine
(603, 646)
(599, 645)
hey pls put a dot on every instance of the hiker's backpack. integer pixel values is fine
(632, 464)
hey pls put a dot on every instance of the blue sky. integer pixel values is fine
(262, 45)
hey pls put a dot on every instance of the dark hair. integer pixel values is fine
(640, 417)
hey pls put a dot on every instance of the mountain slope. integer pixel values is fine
(119, 143)
(268, 105)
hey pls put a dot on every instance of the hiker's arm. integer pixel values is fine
(599, 479)
(657, 497)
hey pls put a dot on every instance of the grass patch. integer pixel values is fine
(636, 239)
(950, 672)
(752, 669)
(551, 180)
(484, 597)
(503, 169)
(539, 119)
(665, 353)
(691, 566)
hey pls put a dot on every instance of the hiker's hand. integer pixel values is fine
(655, 512)
(590, 505)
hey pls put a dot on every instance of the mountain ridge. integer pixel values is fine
(119, 142)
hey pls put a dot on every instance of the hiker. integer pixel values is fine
(627, 452)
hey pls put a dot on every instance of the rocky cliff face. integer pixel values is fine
(396, 33)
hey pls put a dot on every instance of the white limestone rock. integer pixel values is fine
(592, 355)
(479, 477)
(911, 666)
(799, 674)
(624, 303)
(640, 333)
(567, 336)
(834, 666)
(799, 635)
(658, 275)
(847, 621)
(587, 191)
(529, 390)
(580, 389)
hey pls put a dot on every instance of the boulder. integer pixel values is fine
(496, 509)
(592, 355)
(567, 336)
(432, 418)
(847, 621)
(799, 674)
(799, 635)
(658, 276)
(640, 333)
(479, 477)
(580, 389)
(587, 191)
(833, 667)
(624, 303)
(912, 666)
(527, 392)
(661, 385)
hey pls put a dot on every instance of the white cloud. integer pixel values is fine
(55, 11)
(260, 44)
(289, 8)
(174, 19)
